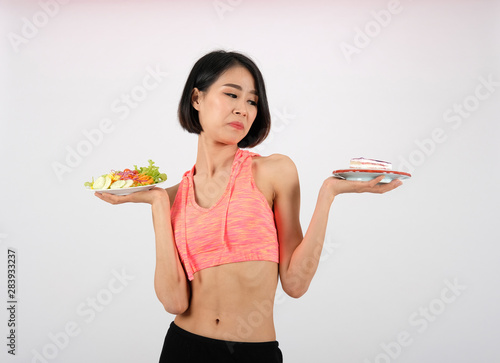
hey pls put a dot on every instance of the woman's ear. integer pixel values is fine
(195, 98)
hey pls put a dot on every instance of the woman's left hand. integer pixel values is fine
(338, 186)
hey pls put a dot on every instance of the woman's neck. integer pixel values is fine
(214, 157)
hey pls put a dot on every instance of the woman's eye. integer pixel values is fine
(232, 95)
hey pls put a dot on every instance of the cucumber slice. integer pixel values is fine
(118, 184)
(128, 183)
(108, 182)
(99, 183)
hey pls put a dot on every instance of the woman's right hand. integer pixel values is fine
(145, 196)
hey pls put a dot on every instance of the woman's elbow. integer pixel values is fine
(175, 307)
(296, 293)
(295, 289)
(174, 303)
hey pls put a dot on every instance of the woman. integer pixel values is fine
(230, 228)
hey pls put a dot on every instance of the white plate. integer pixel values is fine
(366, 175)
(126, 191)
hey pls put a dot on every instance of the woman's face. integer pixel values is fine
(228, 108)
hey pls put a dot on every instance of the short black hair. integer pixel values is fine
(204, 73)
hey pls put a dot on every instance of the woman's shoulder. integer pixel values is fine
(276, 167)
(275, 161)
(172, 192)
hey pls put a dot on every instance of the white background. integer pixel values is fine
(385, 257)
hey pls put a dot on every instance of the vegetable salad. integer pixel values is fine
(128, 178)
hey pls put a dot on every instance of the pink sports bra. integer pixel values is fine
(238, 227)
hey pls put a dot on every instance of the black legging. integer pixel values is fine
(182, 346)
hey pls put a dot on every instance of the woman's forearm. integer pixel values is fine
(305, 258)
(171, 284)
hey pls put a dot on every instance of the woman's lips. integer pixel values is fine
(237, 125)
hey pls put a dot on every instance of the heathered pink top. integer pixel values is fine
(238, 227)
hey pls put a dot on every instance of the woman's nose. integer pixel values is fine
(240, 109)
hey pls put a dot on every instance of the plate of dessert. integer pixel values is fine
(362, 169)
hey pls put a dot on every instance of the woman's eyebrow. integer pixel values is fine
(239, 88)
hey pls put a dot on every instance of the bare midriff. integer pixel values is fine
(233, 302)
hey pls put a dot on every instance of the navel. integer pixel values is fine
(217, 321)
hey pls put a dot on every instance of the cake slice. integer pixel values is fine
(370, 164)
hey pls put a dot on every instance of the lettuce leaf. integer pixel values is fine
(152, 171)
